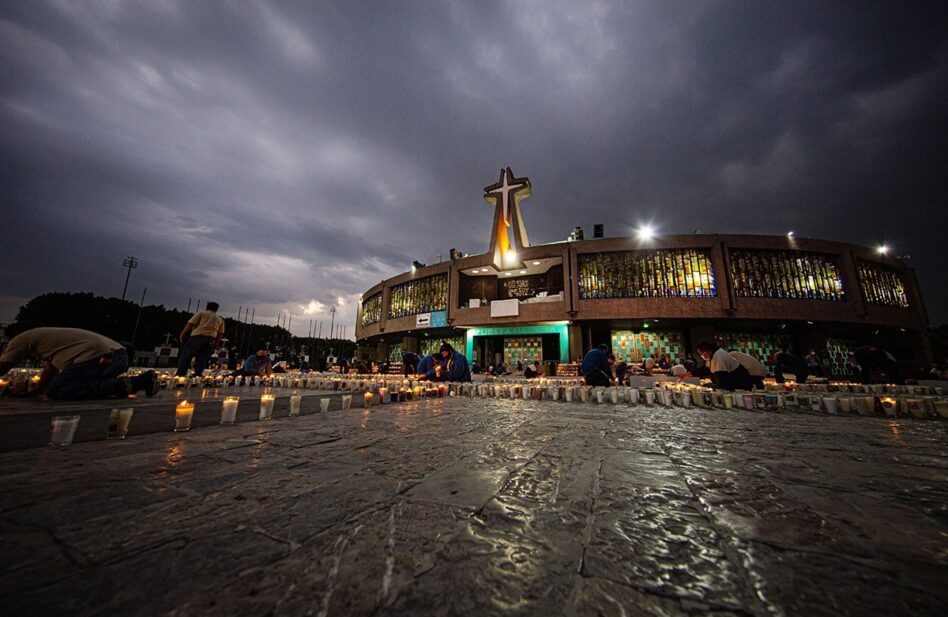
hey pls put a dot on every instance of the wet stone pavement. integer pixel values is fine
(484, 507)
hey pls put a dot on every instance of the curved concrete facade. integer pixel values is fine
(880, 300)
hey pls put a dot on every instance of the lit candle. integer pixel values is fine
(266, 406)
(182, 416)
(384, 395)
(368, 399)
(295, 401)
(229, 409)
(118, 423)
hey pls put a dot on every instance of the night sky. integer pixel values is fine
(288, 156)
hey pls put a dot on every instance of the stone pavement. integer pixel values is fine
(484, 507)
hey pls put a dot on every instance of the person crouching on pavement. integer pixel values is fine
(256, 365)
(726, 371)
(77, 364)
(452, 366)
(597, 366)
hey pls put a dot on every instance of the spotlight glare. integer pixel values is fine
(790, 234)
(883, 249)
(645, 232)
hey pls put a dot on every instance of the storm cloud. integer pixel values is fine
(287, 156)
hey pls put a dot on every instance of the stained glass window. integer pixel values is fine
(372, 310)
(419, 296)
(661, 273)
(786, 274)
(882, 285)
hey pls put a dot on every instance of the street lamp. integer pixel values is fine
(645, 233)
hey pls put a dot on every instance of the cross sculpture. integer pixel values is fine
(505, 196)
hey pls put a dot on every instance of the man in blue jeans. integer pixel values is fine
(205, 329)
(77, 364)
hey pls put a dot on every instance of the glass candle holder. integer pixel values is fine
(118, 423)
(229, 409)
(183, 413)
(296, 400)
(266, 406)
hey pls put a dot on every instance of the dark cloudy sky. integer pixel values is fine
(288, 155)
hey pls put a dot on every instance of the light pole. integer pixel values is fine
(129, 262)
(332, 322)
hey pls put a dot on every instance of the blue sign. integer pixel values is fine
(439, 319)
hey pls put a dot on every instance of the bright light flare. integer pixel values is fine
(882, 249)
(645, 233)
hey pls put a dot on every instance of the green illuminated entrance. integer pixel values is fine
(560, 330)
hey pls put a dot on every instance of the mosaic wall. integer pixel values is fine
(523, 348)
(634, 346)
(420, 296)
(665, 273)
(838, 350)
(372, 310)
(786, 274)
(427, 345)
(761, 346)
(882, 286)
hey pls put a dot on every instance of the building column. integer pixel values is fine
(575, 334)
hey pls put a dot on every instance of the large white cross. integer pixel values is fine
(504, 191)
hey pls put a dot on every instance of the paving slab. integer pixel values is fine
(478, 506)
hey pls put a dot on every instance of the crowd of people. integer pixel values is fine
(79, 364)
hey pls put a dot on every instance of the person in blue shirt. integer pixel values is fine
(427, 364)
(453, 366)
(597, 366)
(254, 365)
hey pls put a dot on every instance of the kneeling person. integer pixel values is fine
(726, 371)
(77, 364)
(453, 366)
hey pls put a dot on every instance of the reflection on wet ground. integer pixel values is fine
(470, 506)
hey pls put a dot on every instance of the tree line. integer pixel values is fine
(120, 320)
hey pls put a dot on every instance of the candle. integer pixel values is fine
(229, 409)
(266, 406)
(384, 396)
(182, 416)
(118, 423)
(368, 398)
(347, 401)
(296, 400)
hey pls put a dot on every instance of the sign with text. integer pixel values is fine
(423, 320)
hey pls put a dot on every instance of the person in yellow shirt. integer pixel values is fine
(205, 329)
